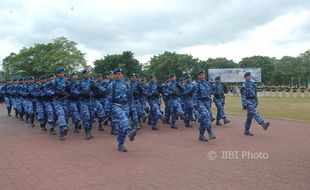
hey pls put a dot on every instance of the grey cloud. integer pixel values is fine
(186, 24)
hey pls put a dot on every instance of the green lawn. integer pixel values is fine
(277, 108)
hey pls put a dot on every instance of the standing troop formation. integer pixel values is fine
(111, 100)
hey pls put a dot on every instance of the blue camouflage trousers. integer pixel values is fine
(189, 109)
(155, 112)
(136, 111)
(87, 113)
(49, 111)
(252, 112)
(74, 110)
(40, 111)
(219, 103)
(60, 107)
(175, 109)
(8, 101)
(29, 106)
(167, 107)
(210, 106)
(120, 114)
(19, 104)
(100, 110)
(204, 116)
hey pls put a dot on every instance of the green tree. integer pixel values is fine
(305, 66)
(171, 62)
(126, 61)
(217, 63)
(286, 68)
(45, 58)
(266, 63)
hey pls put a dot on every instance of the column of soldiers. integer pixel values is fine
(283, 91)
(122, 104)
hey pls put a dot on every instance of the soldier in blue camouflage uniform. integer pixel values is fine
(164, 88)
(143, 100)
(31, 106)
(20, 98)
(135, 105)
(189, 101)
(173, 92)
(48, 94)
(87, 87)
(99, 92)
(1, 92)
(183, 95)
(25, 96)
(108, 104)
(7, 93)
(153, 91)
(14, 96)
(38, 93)
(120, 97)
(74, 101)
(203, 93)
(219, 90)
(59, 101)
(249, 103)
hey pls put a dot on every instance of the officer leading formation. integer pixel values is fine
(124, 105)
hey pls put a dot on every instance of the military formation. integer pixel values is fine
(280, 91)
(123, 105)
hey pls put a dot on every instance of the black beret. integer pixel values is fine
(247, 74)
(118, 70)
(201, 71)
(218, 78)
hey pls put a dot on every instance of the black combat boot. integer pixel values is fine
(247, 132)
(212, 119)
(144, 118)
(27, 118)
(155, 128)
(218, 123)
(65, 130)
(62, 136)
(173, 126)
(42, 125)
(138, 126)
(76, 128)
(87, 134)
(52, 131)
(163, 119)
(32, 116)
(100, 127)
(21, 116)
(265, 125)
(226, 121)
(131, 134)
(202, 137)
(211, 135)
(16, 113)
(188, 125)
(9, 111)
(121, 148)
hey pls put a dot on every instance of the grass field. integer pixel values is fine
(276, 108)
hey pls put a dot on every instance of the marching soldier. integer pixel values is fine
(249, 103)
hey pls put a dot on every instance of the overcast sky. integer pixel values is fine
(203, 28)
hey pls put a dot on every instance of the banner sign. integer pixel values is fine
(234, 74)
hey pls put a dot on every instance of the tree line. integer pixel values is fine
(42, 59)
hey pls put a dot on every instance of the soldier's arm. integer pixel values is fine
(243, 96)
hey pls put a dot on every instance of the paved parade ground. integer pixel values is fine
(278, 158)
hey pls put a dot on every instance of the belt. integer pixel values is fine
(120, 102)
(250, 98)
